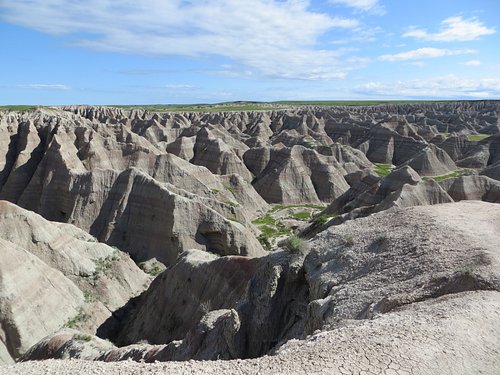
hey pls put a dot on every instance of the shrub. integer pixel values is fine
(322, 219)
(349, 241)
(294, 244)
(81, 337)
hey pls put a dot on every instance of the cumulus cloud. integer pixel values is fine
(453, 29)
(424, 53)
(372, 6)
(449, 86)
(273, 38)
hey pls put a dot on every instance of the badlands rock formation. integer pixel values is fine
(395, 248)
(412, 281)
(54, 274)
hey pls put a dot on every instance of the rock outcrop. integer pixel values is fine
(386, 270)
(55, 274)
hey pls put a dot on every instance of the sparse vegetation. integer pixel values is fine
(89, 296)
(280, 207)
(477, 137)
(82, 337)
(348, 240)
(152, 268)
(383, 169)
(457, 173)
(18, 108)
(303, 215)
(323, 219)
(231, 203)
(78, 318)
(265, 220)
(294, 244)
(231, 189)
(104, 264)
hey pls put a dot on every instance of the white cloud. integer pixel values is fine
(453, 29)
(41, 86)
(270, 37)
(472, 63)
(424, 53)
(449, 86)
(372, 6)
(179, 86)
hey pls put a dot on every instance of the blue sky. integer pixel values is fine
(179, 51)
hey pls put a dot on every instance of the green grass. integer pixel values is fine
(241, 106)
(446, 134)
(294, 244)
(219, 107)
(478, 137)
(18, 108)
(323, 219)
(383, 169)
(80, 317)
(280, 207)
(457, 173)
(153, 268)
(231, 203)
(265, 220)
(82, 337)
(356, 102)
(303, 215)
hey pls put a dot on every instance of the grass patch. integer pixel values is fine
(478, 137)
(230, 188)
(103, 265)
(18, 108)
(231, 203)
(151, 268)
(323, 219)
(457, 173)
(303, 215)
(294, 244)
(265, 220)
(280, 207)
(383, 169)
(82, 337)
(89, 296)
(78, 318)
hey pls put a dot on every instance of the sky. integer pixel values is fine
(58, 52)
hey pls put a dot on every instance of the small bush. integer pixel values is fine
(80, 317)
(81, 337)
(235, 220)
(322, 219)
(383, 169)
(294, 244)
(349, 241)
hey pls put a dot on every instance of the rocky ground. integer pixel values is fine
(321, 240)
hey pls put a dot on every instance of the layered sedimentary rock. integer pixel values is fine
(381, 270)
(297, 175)
(403, 187)
(54, 274)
